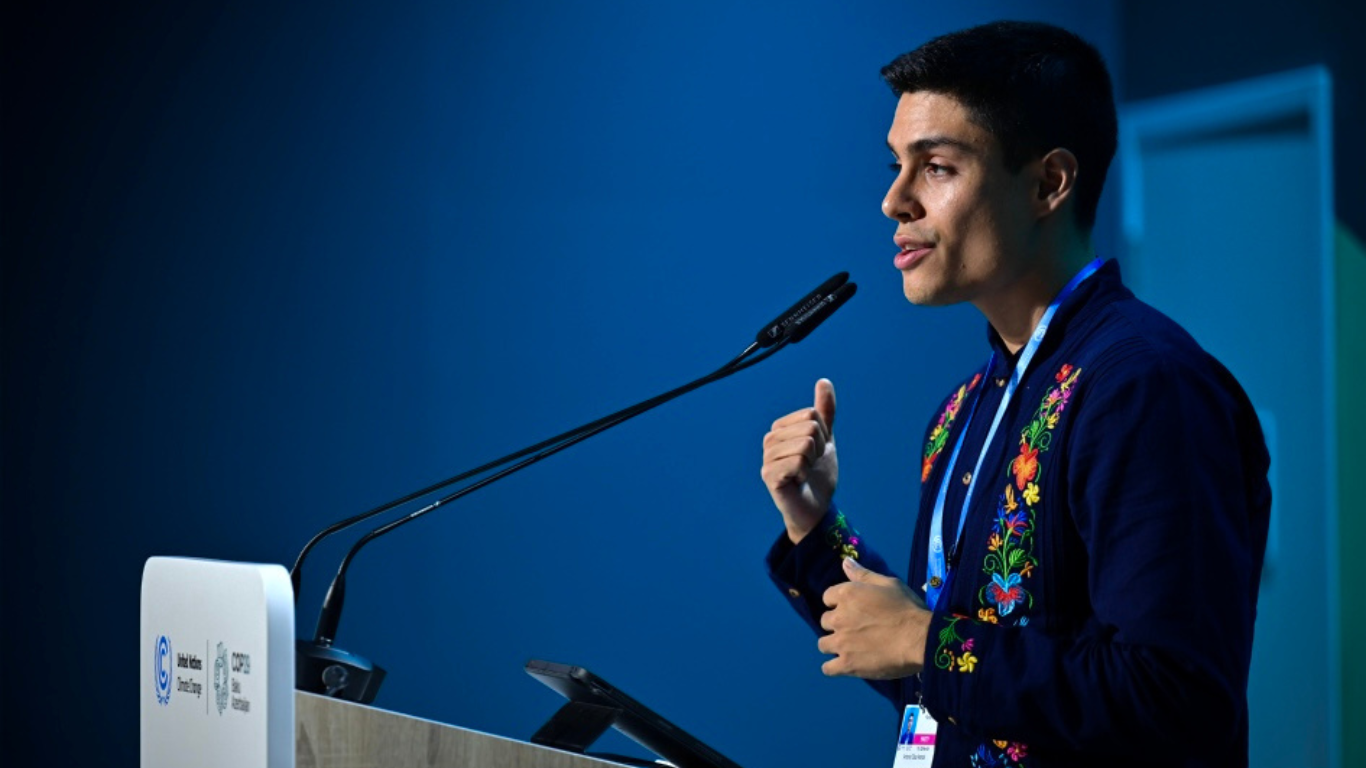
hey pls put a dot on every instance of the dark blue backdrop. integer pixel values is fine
(266, 267)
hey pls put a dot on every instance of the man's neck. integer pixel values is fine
(1015, 311)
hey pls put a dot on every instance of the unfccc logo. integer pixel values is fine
(161, 669)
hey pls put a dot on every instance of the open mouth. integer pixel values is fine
(910, 254)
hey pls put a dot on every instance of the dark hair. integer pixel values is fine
(1033, 86)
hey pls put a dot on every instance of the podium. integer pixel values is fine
(331, 733)
(217, 688)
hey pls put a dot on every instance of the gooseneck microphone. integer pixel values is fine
(767, 336)
(807, 322)
(322, 668)
(777, 329)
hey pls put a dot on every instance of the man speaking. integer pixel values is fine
(1094, 500)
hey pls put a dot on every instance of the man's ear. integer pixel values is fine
(1057, 181)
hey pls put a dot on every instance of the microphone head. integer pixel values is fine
(771, 333)
(807, 323)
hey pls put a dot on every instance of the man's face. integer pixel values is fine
(964, 223)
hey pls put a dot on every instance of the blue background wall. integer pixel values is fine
(266, 267)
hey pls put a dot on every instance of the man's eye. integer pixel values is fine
(935, 169)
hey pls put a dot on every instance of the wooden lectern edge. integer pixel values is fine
(331, 733)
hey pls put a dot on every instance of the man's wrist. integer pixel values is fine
(797, 532)
(917, 639)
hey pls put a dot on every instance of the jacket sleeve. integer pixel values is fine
(1165, 479)
(803, 572)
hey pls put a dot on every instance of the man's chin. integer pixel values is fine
(923, 295)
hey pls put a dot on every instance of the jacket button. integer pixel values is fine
(967, 478)
(793, 593)
(1000, 382)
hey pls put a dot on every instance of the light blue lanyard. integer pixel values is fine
(937, 570)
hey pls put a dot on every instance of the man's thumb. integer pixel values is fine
(856, 572)
(825, 403)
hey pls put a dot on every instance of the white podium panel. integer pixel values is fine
(217, 649)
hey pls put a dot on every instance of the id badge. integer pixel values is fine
(915, 744)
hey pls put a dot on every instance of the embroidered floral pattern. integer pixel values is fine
(954, 653)
(939, 436)
(842, 537)
(1000, 754)
(1010, 555)
(1010, 558)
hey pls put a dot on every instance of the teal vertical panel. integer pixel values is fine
(1351, 342)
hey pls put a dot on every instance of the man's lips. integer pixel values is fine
(911, 251)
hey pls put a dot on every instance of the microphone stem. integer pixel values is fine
(733, 367)
(748, 350)
(295, 573)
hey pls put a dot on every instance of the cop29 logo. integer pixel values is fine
(161, 669)
(220, 679)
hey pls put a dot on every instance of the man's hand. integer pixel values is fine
(878, 625)
(800, 468)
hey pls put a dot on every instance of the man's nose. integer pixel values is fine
(900, 202)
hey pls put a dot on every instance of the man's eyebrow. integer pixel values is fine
(934, 142)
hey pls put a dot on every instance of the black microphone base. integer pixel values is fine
(329, 671)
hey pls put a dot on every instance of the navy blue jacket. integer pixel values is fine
(1101, 606)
